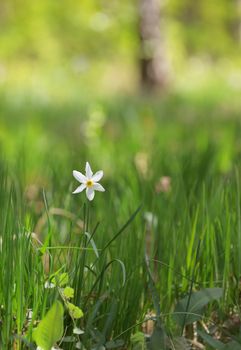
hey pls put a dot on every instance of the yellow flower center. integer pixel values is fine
(89, 183)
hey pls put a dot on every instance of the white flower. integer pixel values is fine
(49, 285)
(29, 314)
(88, 181)
(78, 331)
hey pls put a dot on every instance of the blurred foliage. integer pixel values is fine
(95, 44)
(54, 30)
(206, 27)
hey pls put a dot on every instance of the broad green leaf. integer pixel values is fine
(50, 328)
(214, 343)
(232, 345)
(158, 340)
(115, 344)
(197, 302)
(179, 343)
(217, 344)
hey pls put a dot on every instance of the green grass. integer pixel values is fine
(195, 142)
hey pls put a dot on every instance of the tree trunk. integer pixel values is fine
(154, 67)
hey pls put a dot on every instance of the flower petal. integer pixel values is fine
(88, 171)
(97, 176)
(49, 285)
(79, 189)
(90, 193)
(98, 187)
(79, 176)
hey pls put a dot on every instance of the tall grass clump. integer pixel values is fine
(21, 268)
(102, 277)
(127, 268)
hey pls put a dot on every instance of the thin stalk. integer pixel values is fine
(191, 286)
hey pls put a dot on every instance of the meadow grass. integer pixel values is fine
(137, 231)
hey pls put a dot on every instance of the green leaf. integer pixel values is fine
(75, 311)
(50, 328)
(115, 344)
(158, 340)
(232, 345)
(61, 280)
(217, 344)
(214, 343)
(179, 343)
(68, 292)
(197, 302)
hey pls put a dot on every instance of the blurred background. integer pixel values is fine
(76, 75)
(52, 50)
